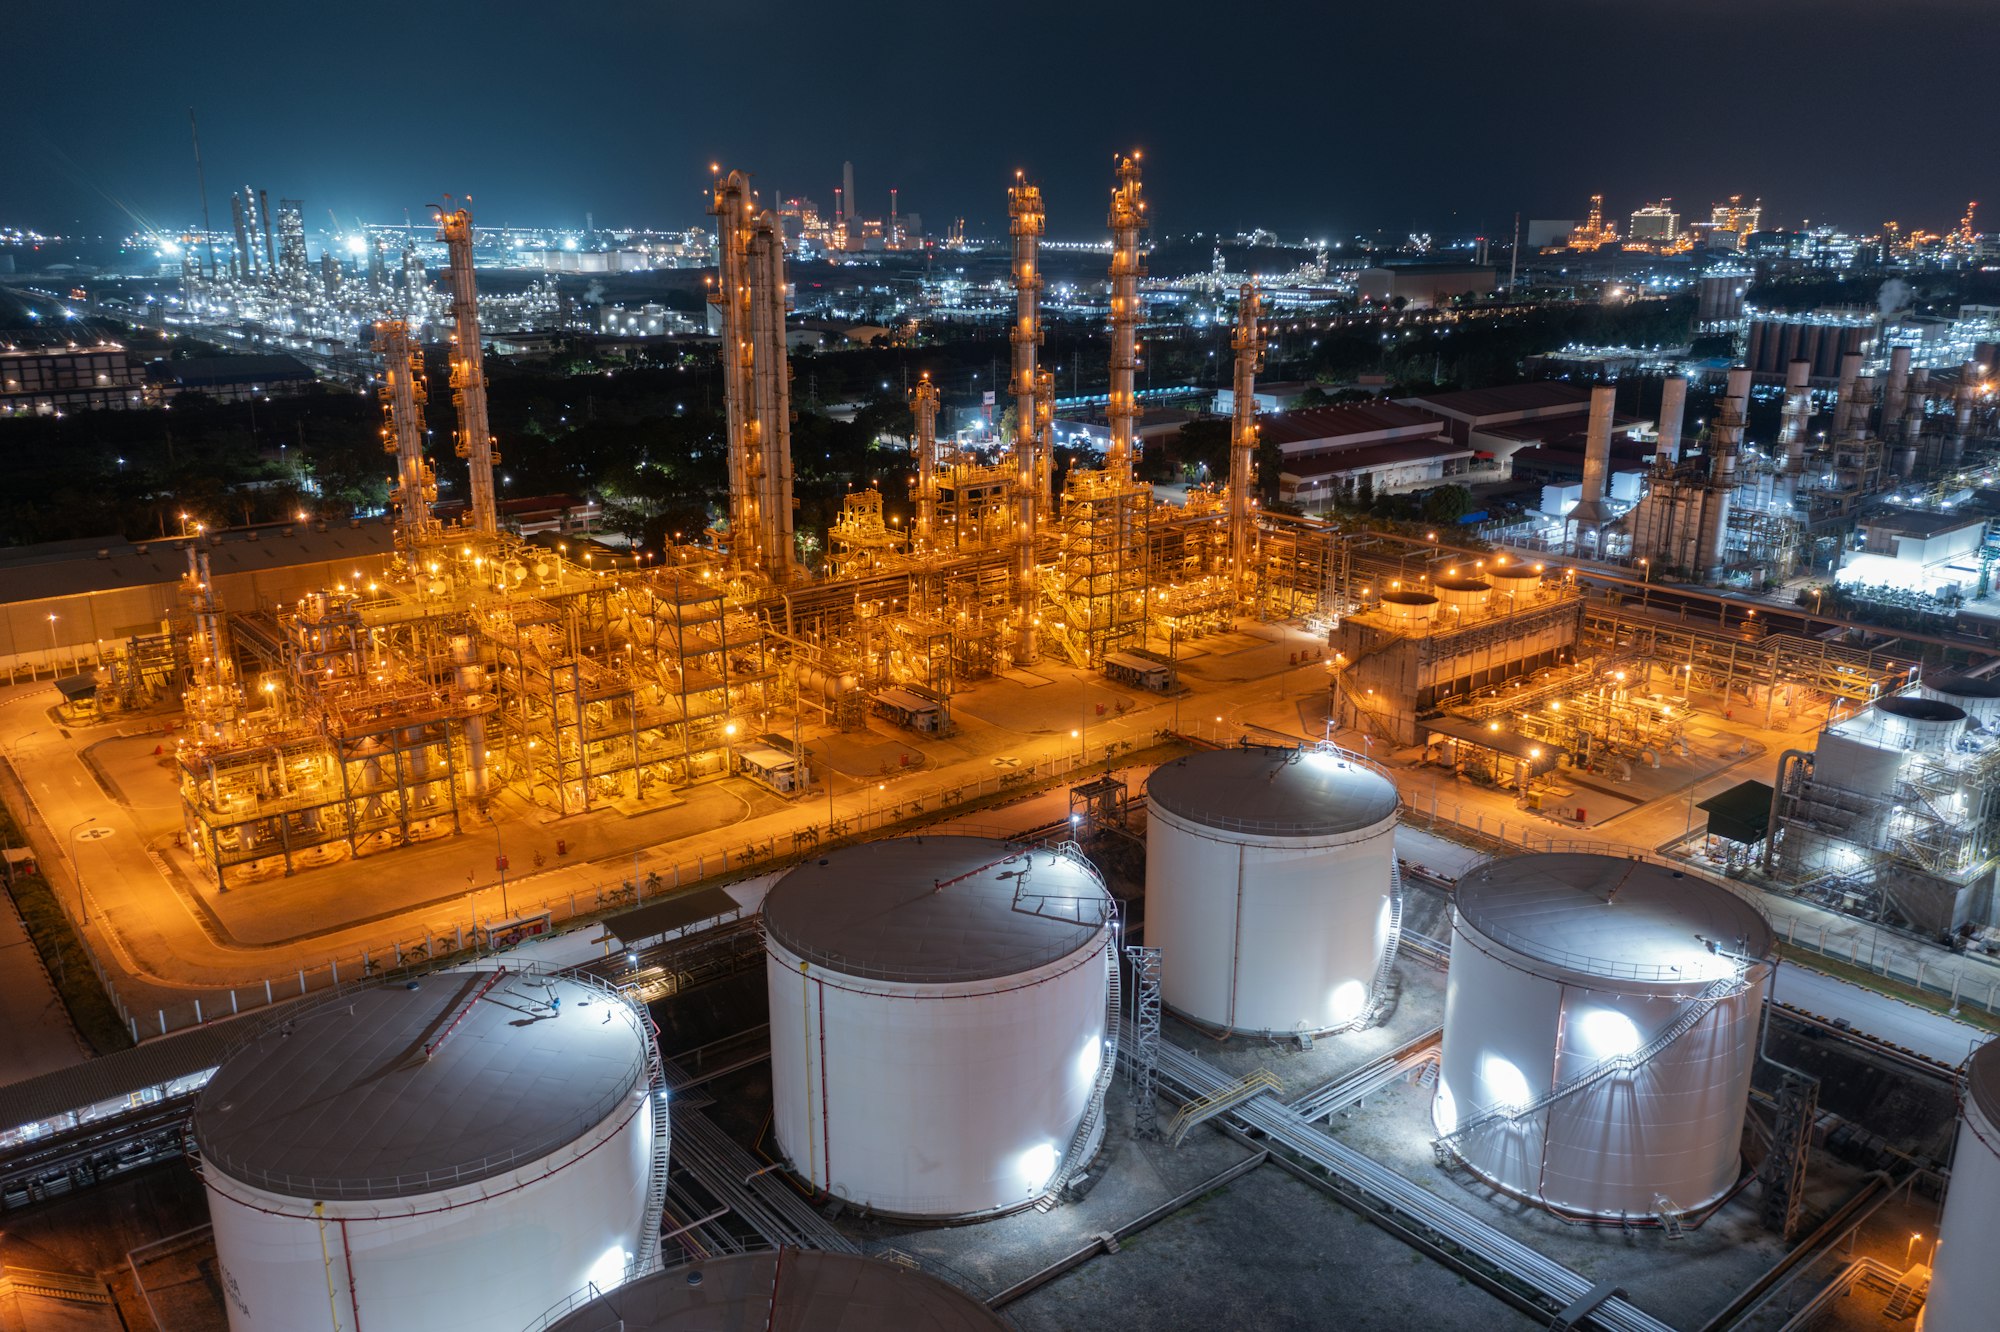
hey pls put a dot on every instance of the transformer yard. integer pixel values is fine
(1080, 908)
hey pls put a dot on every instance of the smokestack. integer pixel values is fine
(1962, 403)
(239, 261)
(1843, 395)
(1798, 410)
(1673, 415)
(1895, 393)
(1590, 511)
(847, 182)
(1714, 537)
(270, 250)
(1913, 410)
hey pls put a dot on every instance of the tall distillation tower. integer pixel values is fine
(757, 389)
(468, 372)
(924, 406)
(403, 398)
(1027, 221)
(1128, 218)
(1249, 345)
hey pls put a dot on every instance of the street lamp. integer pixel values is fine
(76, 872)
(52, 642)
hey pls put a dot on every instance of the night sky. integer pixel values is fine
(1325, 119)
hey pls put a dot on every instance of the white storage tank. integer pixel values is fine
(435, 1156)
(1270, 887)
(1977, 697)
(1918, 725)
(790, 1290)
(1965, 1283)
(1467, 596)
(1601, 1023)
(1409, 607)
(939, 1021)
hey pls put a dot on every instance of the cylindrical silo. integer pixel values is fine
(1965, 1281)
(790, 1290)
(1600, 1032)
(938, 1021)
(436, 1156)
(1270, 887)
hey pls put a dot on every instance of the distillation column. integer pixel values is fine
(772, 381)
(1727, 439)
(924, 404)
(468, 372)
(1026, 222)
(1128, 218)
(1673, 415)
(403, 399)
(757, 393)
(1249, 345)
(1797, 412)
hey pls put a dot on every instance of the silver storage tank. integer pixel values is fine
(1601, 1021)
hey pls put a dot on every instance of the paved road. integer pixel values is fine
(1935, 1035)
(35, 1032)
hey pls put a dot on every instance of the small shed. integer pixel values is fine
(1140, 669)
(772, 767)
(912, 708)
(1742, 814)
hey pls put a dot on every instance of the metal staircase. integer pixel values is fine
(656, 1179)
(1093, 1109)
(1201, 1109)
(1446, 1146)
(1908, 1296)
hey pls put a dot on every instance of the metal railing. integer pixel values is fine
(1284, 827)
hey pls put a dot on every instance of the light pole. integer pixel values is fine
(76, 872)
(1910, 1248)
(500, 864)
(53, 664)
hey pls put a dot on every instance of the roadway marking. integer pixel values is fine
(95, 834)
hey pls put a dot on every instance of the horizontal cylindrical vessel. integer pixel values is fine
(1600, 1031)
(1965, 1285)
(435, 1157)
(794, 1290)
(1270, 876)
(938, 1020)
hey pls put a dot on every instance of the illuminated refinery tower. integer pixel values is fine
(403, 400)
(756, 377)
(924, 405)
(1128, 217)
(1027, 221)
(468, 372)
(1249, 345)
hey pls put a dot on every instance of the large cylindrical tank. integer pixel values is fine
(795, 1290)
(430, 1157)
(1411, 608)
(1965, 1282)
(1917, 725)
(1516, 584)
(1600, 1032)
(1977, 697)
(1269, 881)
(938, 1020)
(1466, 595)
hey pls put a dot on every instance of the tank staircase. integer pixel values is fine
(1220, 1101)
(1445, 1147)
(1093, 1109)
(1671, 1216)
(658, 1149)
(1381, 991)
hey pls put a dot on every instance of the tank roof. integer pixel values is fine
(1964, 686)
(1920, 709)
(1610, 915)
(1462, 584)
(1982, 1079)
(937, 909)
(342, 1100)
(1274, 792)
(1395, 598)
(824, 1292)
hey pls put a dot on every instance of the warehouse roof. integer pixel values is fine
(824, 1292)
(1475, 404)
(1274, 792)
(394, 1090)
(1612, 916)
(72, 568)
(931, 910)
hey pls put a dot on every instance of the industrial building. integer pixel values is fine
(439, 1154)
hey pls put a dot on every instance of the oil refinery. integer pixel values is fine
(894, 938)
